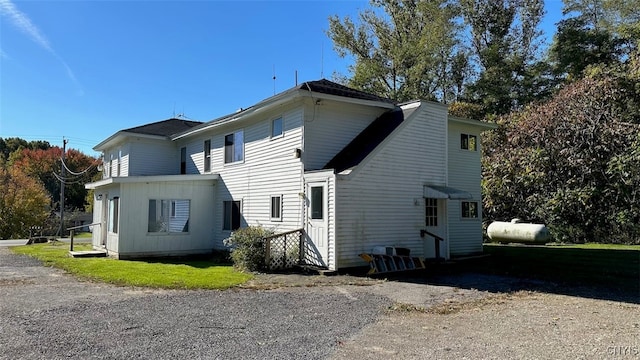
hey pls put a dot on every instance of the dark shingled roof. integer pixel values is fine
(164, 128)
(329, 87)
(363, 144)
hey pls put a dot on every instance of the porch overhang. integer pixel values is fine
(445, 192)
(150, 179)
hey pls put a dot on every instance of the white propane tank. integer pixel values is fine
(515, 231)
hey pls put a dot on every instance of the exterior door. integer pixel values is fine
(105, 220)
(435, 223)
(317, 228)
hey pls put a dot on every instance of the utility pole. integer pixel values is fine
(62, 172)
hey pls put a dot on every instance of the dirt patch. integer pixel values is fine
(277, 281)
(522, 325)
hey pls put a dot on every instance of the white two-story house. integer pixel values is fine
(351, 169)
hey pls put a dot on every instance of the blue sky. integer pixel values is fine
(86, 69)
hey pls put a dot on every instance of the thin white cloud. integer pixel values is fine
(21, 21)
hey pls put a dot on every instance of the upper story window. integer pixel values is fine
(276, 127)
(468, 142)
(207, 155)
(183, 160)
(234, 147)
(119, 167)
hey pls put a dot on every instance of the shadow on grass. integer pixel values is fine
(197, 261)
(591, 273)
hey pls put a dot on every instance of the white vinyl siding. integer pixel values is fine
(151, 157)
(134, 213)
(329, 127)
(382, 204)
(465, 234)
(268, 166)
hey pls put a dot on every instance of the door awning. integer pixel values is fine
(445, 192)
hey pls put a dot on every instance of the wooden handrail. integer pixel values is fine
(73, 228)
(81, 226)
(425, 232)
(282, 234)
(437, 240)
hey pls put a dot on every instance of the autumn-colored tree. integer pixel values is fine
(23, 203)
(45, 165)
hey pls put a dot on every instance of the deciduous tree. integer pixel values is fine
(403, 50)
(23, 203)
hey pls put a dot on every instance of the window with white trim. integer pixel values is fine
(468, 142)
(207, 155)
(276, 127)
(234, 147)
(469, 209)
(431, 212)
(232, 213)
(183, 160)
(119, 162)
(276, 208)
(168, 216)
(114, 214)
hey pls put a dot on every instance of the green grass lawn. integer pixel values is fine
(615, 265)
(171, 274)
(82, 235)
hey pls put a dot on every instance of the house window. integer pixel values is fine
(431, 212)
(183, 160)
(468, 142)
(317, 204)
(111, 165)
(207, 155)
(114, 214)
(232, 214)
(276, 127)
(119, 161)
(276, 208)
(470, 209)
(234, 147)
(168, 216)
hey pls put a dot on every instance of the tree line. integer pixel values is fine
(30, 184)
(567, 152)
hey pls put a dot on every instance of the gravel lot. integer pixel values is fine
(45, 314)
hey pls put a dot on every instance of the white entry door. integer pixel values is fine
(317, 228)
(435, 223)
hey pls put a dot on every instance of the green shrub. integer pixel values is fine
(247, 247)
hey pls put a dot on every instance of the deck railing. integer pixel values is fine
(286, 250)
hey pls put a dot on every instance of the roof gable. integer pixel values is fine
(369, 139)
(164, 128)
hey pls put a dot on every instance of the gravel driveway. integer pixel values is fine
(46, 314)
